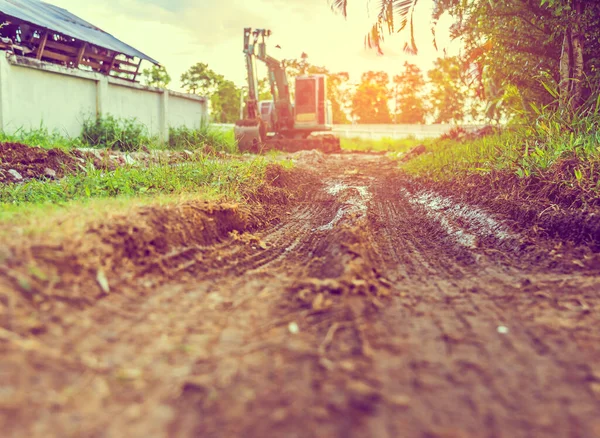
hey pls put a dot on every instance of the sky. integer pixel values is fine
(180, 33)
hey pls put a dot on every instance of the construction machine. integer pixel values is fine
(280, 124)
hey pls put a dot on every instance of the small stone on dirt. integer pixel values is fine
(503, 330)
(50, 173)
(293, 328)
(103, 281)
(16, 175)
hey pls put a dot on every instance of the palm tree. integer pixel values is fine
(394, 15)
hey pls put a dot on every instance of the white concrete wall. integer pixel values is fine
(34, 93)
(185, 112)
(125, 102)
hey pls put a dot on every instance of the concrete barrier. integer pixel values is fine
(35, 93)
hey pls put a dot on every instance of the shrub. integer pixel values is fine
(113, 133)
(205, 136)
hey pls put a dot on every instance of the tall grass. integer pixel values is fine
(225, 177)
(114, 133)
(125, 135)
(206, 135)
(559, 148)
(385, 144)
(41, 137)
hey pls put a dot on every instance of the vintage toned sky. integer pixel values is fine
(179, 33)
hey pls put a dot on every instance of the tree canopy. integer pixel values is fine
(543, 50)
(156, 76)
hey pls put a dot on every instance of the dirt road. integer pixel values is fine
(371, 308)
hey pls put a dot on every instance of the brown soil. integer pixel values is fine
(344, 301)
(33, 162)
(39, 163)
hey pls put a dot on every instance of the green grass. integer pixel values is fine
(41, 137)
(382, 145)
(190, 139)
(556, 150)
(229, 178)
(116, 133)
(125, 135)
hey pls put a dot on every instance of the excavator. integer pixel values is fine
(280, 124)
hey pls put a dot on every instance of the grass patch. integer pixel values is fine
(225, 177)
(560, 156)
(207, 135)
(381, 145)
(125, 135)
(41, 137)
(117, 134)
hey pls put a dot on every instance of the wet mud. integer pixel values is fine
(345, 300)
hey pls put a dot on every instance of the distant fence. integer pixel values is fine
(35, 93)
(377, 132)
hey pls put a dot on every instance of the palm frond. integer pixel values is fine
(394, 15)
(340, 6)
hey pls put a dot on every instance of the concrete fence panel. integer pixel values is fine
(184, 110)
(124, 102)
(35, 93)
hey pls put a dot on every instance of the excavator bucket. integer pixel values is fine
(249, 135)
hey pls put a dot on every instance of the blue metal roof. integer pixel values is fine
(62, 21)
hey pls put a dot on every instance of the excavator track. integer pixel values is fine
(249, 133)
(327, 144)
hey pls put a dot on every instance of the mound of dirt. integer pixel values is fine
(19, 162)
(152, 245)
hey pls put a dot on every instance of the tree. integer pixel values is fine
(370, 100)
(225, 102)
(223, 94)
(522, 45)
(199, 79)
(156, 76)
(410, 106)
(448, 96)
(264, 90)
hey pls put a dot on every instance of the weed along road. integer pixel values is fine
(346, 301)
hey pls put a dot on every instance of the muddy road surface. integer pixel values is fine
(371, 308)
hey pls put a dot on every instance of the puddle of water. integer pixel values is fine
(354, 205)
(447, 214)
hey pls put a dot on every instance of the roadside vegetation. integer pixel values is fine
(125, 135)
(556, 156)
(189, 167)
(41, 137)
(385, 144)
(223, 177)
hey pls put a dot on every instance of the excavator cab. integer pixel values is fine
(312, 108)
(267, 113)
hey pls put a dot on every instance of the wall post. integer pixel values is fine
(163, 120)
(4, 92)
(101, 96)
